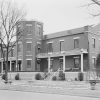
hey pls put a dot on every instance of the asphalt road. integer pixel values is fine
(18, 95)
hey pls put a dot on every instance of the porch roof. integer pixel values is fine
(11, 58)
(62, 53)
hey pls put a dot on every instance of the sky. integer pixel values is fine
(59, 15)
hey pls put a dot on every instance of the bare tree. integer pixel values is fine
(97, 4)
(10, 16)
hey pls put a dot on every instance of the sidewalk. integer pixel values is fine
(69, 88)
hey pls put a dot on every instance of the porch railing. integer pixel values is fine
(60, 53)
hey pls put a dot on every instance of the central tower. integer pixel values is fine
(29, 44)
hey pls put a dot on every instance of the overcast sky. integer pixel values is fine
(58, 15)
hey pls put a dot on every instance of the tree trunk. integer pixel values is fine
(6, 68)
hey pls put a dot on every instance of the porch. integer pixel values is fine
(68, 61)
(12, 66)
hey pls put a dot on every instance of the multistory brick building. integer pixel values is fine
(73, 50)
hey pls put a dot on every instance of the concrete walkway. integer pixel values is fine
(18, 95)
(54, 87)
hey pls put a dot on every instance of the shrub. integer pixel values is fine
(61, 75)
(80, 76)
(17, 77)
(3, 76)
(76, 79)
(54, 78)
(38, 76)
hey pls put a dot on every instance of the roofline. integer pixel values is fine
(79, 30)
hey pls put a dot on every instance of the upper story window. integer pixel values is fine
(76, 42)
(19, 29)
(29, 46)
(12, 52)
(5, 53)
(61, 45)
(93, 42)
(19, 47)
(39, 29)
(49, 47)
(38, 46)
(1, 55)
(29, 29)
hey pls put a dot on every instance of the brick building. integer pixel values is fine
(72, 50)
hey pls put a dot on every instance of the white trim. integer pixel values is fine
(62, 51)
(76, 37)
(19, 59)
(38, 25)
(28, 59)
(61, 58)
(49, 42)
(82, 62)
(93, 37)
(49, 52)
(28, 41)
(19, 42)
(38, 42)
(93, 57)
(28, 55)
(61, 40)
(28, 24)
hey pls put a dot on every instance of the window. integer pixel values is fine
(29, 63)
(94, 61)
(19, 29)
(76, 43)
(61, 45)
(19, 48)
(50, 49)
(93, 42)
(39, 29)
(76, 62)
(1, 55)
(38, 47)
(61, 63)
(29, 46)
(29, 28)
(4, 53)
(12, 52)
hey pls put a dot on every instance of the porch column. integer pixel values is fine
(48, 64)
(2, 66)
(81, 62)
(64, 63)
(10, 65)
(21, 66)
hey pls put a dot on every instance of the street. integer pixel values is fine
(18, 95)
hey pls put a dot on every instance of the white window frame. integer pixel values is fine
(76, 38)
(61, 40)
(50, 42)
